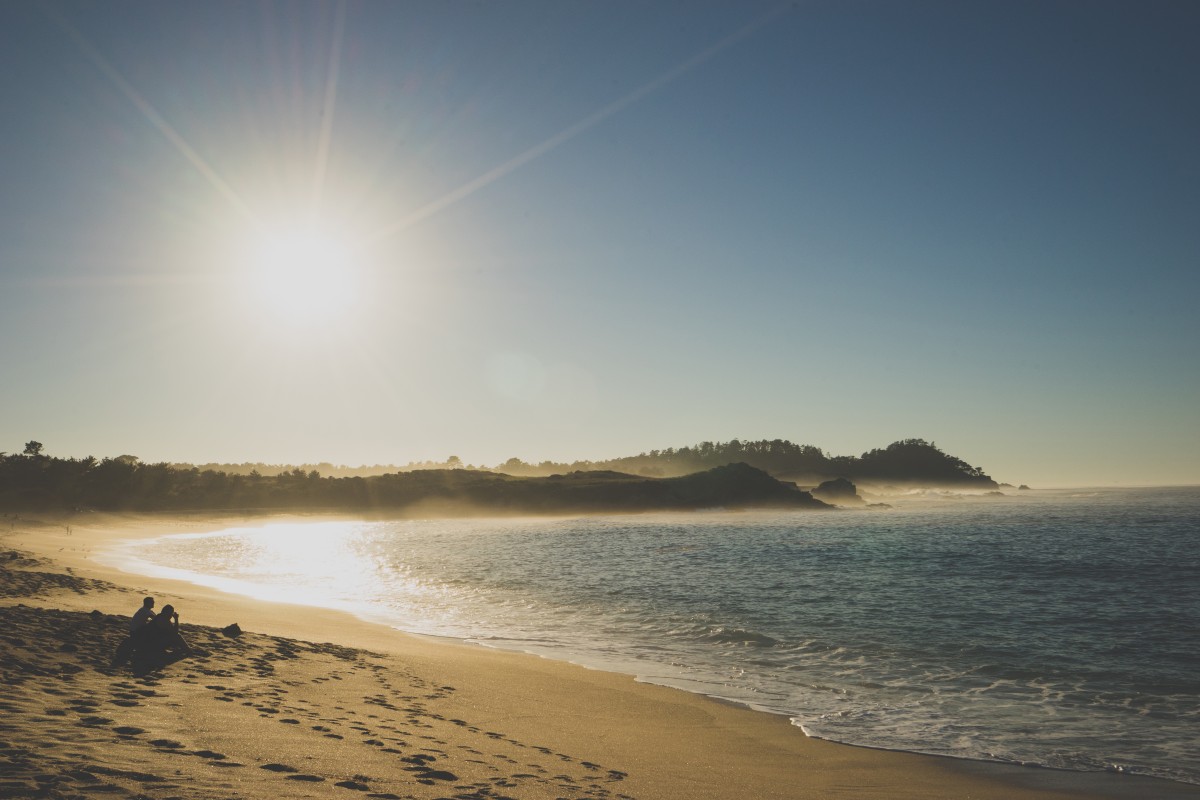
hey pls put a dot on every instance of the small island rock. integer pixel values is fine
(838, 491)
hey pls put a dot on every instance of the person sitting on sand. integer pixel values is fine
(163, 632)
(142, 616)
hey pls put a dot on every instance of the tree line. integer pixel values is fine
(33, 480)
(908, 461)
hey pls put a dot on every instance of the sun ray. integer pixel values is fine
(588, 122)
(152, 116)
(331, 84)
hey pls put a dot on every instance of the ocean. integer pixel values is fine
(1050, 628)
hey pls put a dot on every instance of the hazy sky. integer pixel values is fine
(377, 232)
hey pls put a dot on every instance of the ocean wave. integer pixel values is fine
(724, 635)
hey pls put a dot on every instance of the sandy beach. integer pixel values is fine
(313, 703)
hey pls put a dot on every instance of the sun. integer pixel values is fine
(302, 274)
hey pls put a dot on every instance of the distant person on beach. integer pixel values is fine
(142, 616)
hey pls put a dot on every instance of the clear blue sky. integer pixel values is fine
(587, 229)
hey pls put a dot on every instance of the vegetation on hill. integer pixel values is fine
(906, 462)
(724, 474)
(910, 461)
(35, 481)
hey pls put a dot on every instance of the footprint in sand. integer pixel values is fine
(94, 722)
(429, 776)
(360, 787)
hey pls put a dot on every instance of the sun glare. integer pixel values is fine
(303, 274)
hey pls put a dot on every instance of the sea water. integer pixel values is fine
(1056, 628)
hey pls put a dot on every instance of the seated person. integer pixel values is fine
(142, 616)
(162, 632)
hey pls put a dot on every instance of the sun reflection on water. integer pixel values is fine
(329, 564)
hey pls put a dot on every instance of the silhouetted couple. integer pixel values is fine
(154, 639)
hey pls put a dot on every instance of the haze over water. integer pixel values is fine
(1052, 628)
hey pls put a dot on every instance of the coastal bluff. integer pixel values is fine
(460, 492)
(128, 486)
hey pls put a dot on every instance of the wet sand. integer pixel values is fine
(315, 703)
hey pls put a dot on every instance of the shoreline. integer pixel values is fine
(663, 742)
